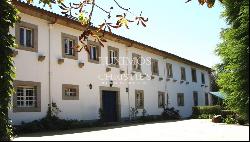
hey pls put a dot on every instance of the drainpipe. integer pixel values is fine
(128, 84)
(50, 27)
(166, 87)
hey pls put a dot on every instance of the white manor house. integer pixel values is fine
(80, 83)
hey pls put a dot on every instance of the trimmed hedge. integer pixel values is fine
(205, 110)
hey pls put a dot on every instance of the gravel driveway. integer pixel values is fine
(186, 130)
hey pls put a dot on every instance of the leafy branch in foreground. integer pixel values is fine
(83, 11)
(210, 3)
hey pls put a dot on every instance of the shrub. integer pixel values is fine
(133, 112)
(225, 113)
(230, 120)
(170, 114)
(205, 110)
(205, 116)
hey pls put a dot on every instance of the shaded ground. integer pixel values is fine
(197, 130)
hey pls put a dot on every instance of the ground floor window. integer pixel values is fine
(180, 99)
(195, 98)
(139, 99)
(206, 99)
(161, 99)
(27, 97)
(70, 92)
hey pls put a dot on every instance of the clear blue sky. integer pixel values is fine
(184, 29)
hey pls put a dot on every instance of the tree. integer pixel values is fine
(233, 72)
(8, 19)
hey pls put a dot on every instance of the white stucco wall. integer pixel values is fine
(86, 108)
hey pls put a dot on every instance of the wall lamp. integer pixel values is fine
(90, 86)
(111, 83)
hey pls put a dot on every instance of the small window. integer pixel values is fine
(113, 59)
(94, 52)
(202, 78)
(167, 103)
(139, 99)
(180, 99)
(68, 45)
(195, 98)
(27, 36)
(169, 70)
(183, 73)
(194, 76)
(27, 97)
(206, 99)
(161, 99)
(70, 92)
(136, 62)
(154, 67)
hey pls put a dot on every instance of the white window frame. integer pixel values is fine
(180, 103)
(169, 70)
(25, 97)
(68, 48)
(136, 62)
(113, 57)
(71, 92)
(24, 36)
(92, 53)
(139, 99)
(161, 99)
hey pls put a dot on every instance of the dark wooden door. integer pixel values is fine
(109, 102)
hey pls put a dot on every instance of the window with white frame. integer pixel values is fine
(183, 73)
(206, 99)
(136, 62)
(202, 78)
(94, 55)
(26, 96)
(69, 47)
(154, 66)
(113, 56)
(26, 37)
(180, 99)
(161, 99)
(194, 77)
(195, 98)
(70, 92)
(169, 70)
(139, 99)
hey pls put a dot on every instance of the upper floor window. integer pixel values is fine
(27, 36)
(68, 44)
(180, 99)
(194, 76)
(27, 97)
(202, 78)
(154, 67)
(169, 70)
(136, 62)
(70, 92)
(161, 99)
(139, 99)
(183, 73)
(113, 56)
(195, 98)
(94, 52)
